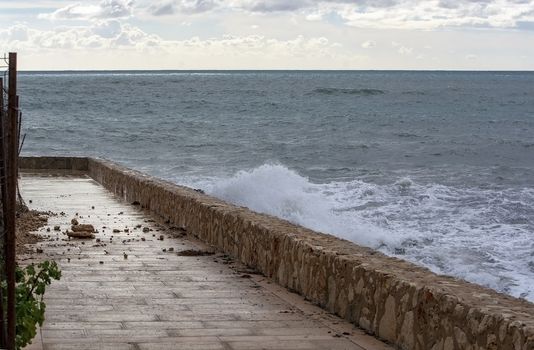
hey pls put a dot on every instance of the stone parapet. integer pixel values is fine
(404, 304)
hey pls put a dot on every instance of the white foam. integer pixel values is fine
(456, 231)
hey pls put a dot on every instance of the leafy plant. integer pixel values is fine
(30, 308)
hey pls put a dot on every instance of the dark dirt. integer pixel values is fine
(29, 221)
(194, 252)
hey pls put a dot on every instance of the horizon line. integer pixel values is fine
(272, 70)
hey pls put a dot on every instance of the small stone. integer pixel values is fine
(161, 237)
(39, 250)
(171, 249)
(146, 229)
(164, 250)
(100, 262)
(125, 255)
(48, 229)
(98, 240)
(143, 239)
(121, 213)
(31, 201)
(57, 228)
(126, 230)
(92, 207)
(138, 226)
(68, 259)
(116, 230)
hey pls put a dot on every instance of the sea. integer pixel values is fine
(434, 167)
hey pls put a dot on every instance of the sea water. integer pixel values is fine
(433, 167)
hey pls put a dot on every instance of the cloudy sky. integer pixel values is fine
(269, 34)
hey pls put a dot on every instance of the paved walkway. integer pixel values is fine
(132, 290)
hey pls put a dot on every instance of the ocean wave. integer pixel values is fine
(341, 91)
(481, 235)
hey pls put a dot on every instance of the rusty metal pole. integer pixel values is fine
(11, 202)
(2, 227)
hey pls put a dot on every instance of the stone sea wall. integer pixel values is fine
(406, 305)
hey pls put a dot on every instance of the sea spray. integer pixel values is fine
(450, 230)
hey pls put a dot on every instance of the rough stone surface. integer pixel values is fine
(344, 278)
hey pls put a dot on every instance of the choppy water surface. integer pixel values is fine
(433, 167)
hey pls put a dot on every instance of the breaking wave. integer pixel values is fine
(480, 235)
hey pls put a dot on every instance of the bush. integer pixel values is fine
(30, 308)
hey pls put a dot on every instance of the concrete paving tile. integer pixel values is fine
(198, 332)
(48, 325)
(196, 345)
(254, 344)
(152, 299)
(91, 346)
(166, 325)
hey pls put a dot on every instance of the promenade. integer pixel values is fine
(143, 284)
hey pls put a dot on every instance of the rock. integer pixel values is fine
(74, 221)
(171, 249)
(125, 255)
(82, 227)
(80, 234)
(143, 239)
(48, 229)
(146, 229)
(116, 230)
(57, 228)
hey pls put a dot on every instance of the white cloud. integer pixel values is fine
(368, 44)
(471, 57)
(104, 10)
(114, 37)
(403, 50)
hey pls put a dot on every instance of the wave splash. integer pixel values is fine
(481, 235)
(276, 190)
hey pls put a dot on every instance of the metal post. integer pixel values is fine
(11, 202)
(2, 227)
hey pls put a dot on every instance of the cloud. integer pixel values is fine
(112, 36)
(410, 14)
(182, 6)
(368, 44)
(413, 14)
(99, 35)
(403, 50)
(104, 10)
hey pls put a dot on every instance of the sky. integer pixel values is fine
(269, 34)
